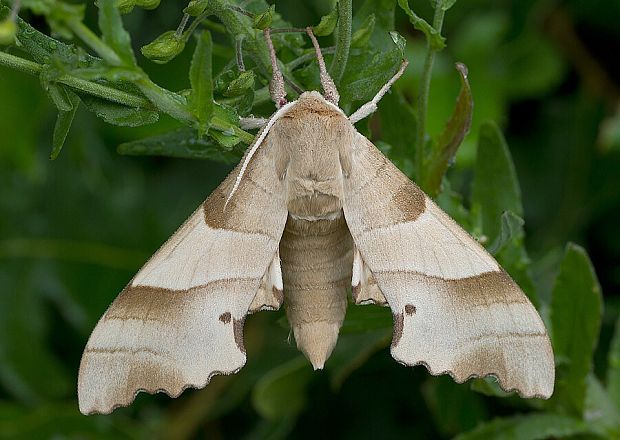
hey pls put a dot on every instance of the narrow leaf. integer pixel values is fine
(42, 47)
(328, 23)
(263, 21)
(601, 413)
(200, 75)
(495, 187)
(398, 127)
(182, 143)
(59, 95)
(196, 7)
(576, 310)
(362, 35)
(456, 128)
(510, 229)
(118, 114)
(399, 41)
(530, 427)
(282, 391)
(113, 32)
(63, 125)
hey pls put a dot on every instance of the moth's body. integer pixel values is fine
(316, 249)
(313, 209)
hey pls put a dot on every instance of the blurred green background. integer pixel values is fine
(73, 232)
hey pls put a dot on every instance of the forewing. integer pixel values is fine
(455, 309)
(180, 320)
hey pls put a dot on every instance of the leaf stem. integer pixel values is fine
(425, 85)
(343, 40)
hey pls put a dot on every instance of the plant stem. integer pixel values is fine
(343, 40)
(92, 88)
(20, 64)
(92, 40)
(107, 93)
(425, 85)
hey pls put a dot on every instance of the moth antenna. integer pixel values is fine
(330, 92)
(276, 85)
(370, 107)
(244, 166)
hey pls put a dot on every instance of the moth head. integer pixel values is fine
(313, 102)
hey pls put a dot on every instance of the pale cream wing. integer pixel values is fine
(455, 309)
(180, 320)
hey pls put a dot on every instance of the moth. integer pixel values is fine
(314, 209)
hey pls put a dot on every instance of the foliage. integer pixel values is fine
(70, 228)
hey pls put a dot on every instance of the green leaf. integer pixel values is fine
(240, 85)
(495, 187)
(600, 412)
(399, 41)
(529, 427)
(366, 73)
(436, 41)
(446, 146)
(59, 95)
(576, 310)
(263, 20)
(362, 35)
(328, 23)
(282, 391)
(384, 11)
(126, 6)
(196, 7)
(226, 139)
(42, 47)
(114, 34)
(118, 114)
(453, 407)
(398, 123)
(63, 125)
(164, 48)
(200, 76)
(489, 386)
(511, 228)
(613, 366)
(360, 319)
(181, 143)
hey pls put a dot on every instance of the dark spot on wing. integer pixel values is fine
(225, 317)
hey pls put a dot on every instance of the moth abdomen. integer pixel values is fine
(317, 260)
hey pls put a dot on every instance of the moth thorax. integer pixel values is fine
(317, 261)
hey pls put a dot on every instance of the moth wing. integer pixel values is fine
(180, 320)
(455, 309)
